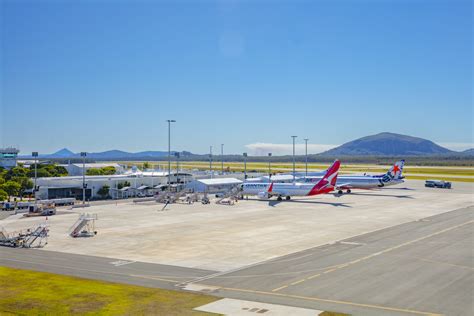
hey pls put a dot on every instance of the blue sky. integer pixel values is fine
(97, 75)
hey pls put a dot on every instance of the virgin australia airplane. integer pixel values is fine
(324, 185)
(367, 182)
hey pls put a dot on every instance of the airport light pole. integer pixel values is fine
(245, 165)
(222, 158)
(269, 165)
(210, 160)
(83, 155)
(306, 156)
(35, 154)
(169, 152)
(177, 161)
(294, 137)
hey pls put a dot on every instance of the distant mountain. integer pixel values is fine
(469, 152)
(388, 144)
(63, 153)
(108, 155)
(382, 144)
(153, 154)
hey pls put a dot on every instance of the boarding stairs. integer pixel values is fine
(32, 237)
(188, 198)
(37, 238)
(170, 197)
(84, 226)
(230, 196)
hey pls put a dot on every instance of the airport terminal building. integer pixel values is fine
(8, 157)
(120, 186)
(216, 185)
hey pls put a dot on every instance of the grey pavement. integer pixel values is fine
(397, 251)
(105, 269)
(419, 268)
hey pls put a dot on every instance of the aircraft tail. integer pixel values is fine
(270, 188)
(328, 182)
(395, 172)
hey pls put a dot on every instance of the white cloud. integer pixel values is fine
(262, 149)
(457, 146)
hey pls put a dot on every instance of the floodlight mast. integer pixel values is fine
(269, 165)
(169, 152)
(35, 155)
(245, 165)
(210, 160)
(83, 155)
(222, 158)
(306, 156)
(294, 137)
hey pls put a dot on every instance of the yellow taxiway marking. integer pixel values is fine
(317, 299)
(279, 288)
(340, 266)
(447, 263)
(298, 282)
(314, 276)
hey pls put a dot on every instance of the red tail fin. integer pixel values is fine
(328, 182)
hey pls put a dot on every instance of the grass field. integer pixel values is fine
(445, 178)
(464, 174)
(26, 292)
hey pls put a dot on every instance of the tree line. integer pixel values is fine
(16, 181)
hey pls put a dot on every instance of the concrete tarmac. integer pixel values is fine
(222, 238)
(425, 267)
(403, 250)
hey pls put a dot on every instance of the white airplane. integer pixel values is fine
(367, 182)
(266, 190)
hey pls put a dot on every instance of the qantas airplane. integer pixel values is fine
(325, 184)
(393, 176)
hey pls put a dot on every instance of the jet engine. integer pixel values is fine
(263, 195)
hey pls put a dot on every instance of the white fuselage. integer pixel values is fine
(279, 189)
(359, 182)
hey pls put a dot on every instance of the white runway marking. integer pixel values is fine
(121, 262)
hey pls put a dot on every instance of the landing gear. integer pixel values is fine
(348, 191)
(340, 192)
(279, 198)
(288, 197)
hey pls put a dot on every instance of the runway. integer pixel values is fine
(424, 267)
(99, 268)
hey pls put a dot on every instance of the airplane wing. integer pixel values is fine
(348, 185)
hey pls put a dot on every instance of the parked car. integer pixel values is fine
(7, 206)
(438, 184)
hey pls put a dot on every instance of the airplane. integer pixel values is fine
(266, 190)
(367, 182)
